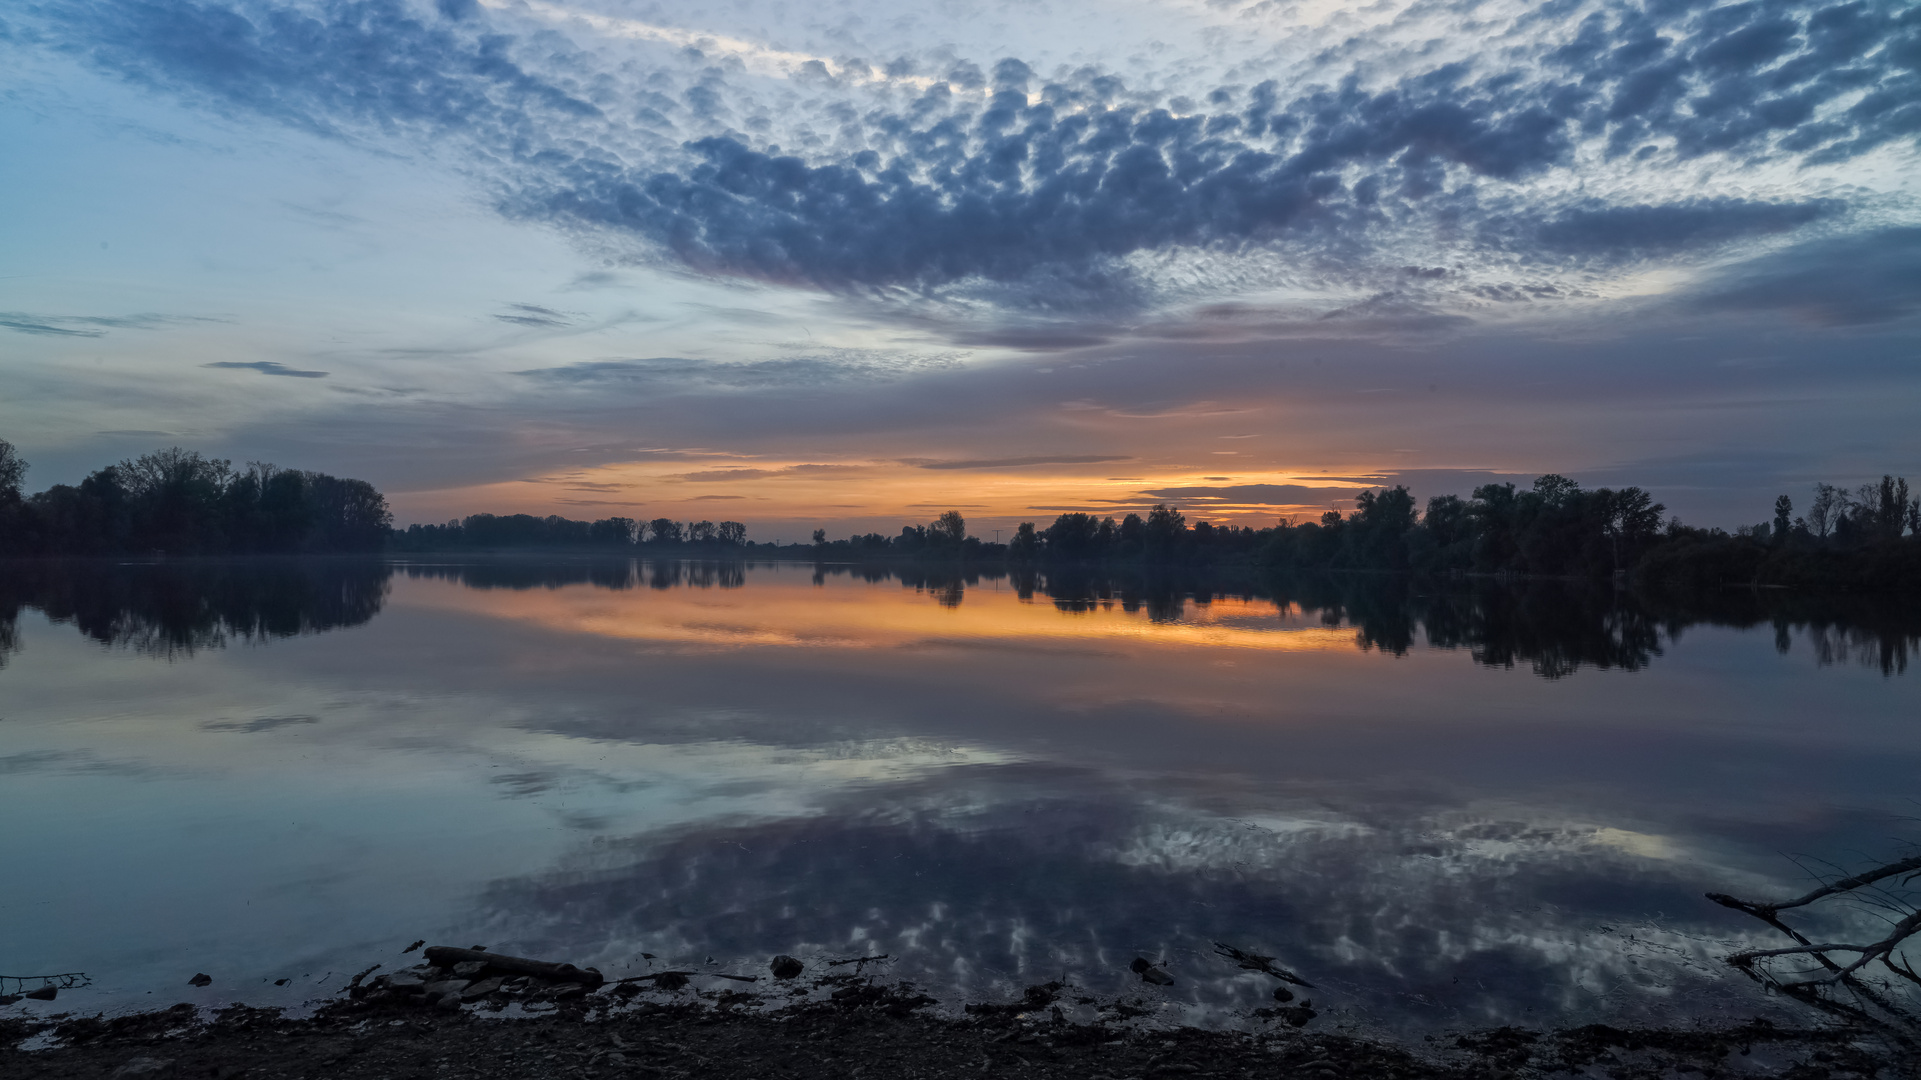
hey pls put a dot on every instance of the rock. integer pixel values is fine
(407, 981)
(626, 989)
(566, 991)
(480, 989)
(144, 1068)
(448, 1002)
(786, 967)
(8, 999)
(1283, 994)
(470, 969)
(1140, 965)
(202, 979)
(1297, 1015)
(444, 987)
(1157, 977)
(45, 993)
(670, 981)
(281, 982)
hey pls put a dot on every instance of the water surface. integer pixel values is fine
(1445, 806)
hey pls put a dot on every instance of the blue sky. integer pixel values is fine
(850, 263)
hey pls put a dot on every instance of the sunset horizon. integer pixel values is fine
(830, 267)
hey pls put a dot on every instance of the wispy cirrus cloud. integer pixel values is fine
(824, 368)
(91, 326)
(266, 367)
(1023, 462)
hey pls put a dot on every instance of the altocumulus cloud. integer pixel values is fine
(1027, 175)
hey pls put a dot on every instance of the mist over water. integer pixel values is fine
(1444, 806)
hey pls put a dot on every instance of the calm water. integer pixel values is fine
(1445, 810)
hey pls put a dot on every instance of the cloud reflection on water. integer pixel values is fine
(981, 881)
(996, 779)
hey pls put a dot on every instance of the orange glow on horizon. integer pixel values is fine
(875, 496)
(784, 609)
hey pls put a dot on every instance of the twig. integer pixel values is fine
(1257, 962)
(858, 960)
(1869, 953)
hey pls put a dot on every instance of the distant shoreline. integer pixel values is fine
(1733, 563)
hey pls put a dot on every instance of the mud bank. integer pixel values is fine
(875, 1031)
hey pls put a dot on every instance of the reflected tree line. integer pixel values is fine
(1552, 627)
(660, 574)
(176, 608)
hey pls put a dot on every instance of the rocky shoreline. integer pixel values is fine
(469, 1015)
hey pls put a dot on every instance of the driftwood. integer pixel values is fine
(448, 956)
(858, 960)
(1872, 1005)
(1257, 962)
(670, 975)
(65, 980)
(1864, 953)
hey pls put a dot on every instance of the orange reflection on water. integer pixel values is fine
(783, 607)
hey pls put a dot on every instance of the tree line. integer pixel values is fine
(1867, 537)
(177, 502)
(511, 531)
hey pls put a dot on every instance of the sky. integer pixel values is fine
(849, 264)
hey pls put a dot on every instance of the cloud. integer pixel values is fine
(266, 367)
(1061, 184)
(91, 326)
(28, 325)
(534, 315)
(1256, 494)
(824, 368)
(714, 498)
(724, 475)
(1018, 462)
(265, 723)
(1597, 228)
(1848, 281)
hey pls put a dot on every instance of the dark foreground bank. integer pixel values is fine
(871, 1031)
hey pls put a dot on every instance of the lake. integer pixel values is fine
(1443, 806)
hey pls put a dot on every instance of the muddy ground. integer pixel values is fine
(862, 1030)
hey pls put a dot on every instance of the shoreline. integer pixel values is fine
(867, 1030)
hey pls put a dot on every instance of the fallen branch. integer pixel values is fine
(448, 956)
(1865, 952)
(66, 980)
(1846, 884)
(1257, 962)
(1882, 950)
(858, 960)
(687, 974)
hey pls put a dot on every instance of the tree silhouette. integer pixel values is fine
(949, 529)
